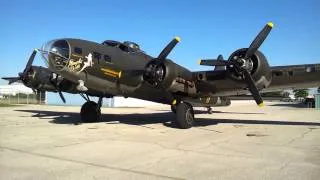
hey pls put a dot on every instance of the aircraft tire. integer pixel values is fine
(184, 116)
(90, 112)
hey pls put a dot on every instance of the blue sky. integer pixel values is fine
(207, 28)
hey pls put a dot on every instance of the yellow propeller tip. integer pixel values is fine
(178, 38)
(174, 102)
(199, 61)
(261, 104)
(270, 24)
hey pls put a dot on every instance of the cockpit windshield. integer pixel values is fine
(132, 45)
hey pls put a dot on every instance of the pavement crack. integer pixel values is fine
(302, 135)
(89, 163)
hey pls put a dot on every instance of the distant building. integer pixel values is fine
(15, 89)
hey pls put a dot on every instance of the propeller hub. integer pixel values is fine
(154, 72)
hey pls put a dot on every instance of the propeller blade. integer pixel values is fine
(54, 81)
(214, 62)
(31, 59)
(253, 88)
(12, 79)
(165, 52)
(62, 97)
(256, 43)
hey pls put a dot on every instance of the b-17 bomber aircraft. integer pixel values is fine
(115, 68)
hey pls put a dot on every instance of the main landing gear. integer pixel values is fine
(184, 115)
(91, 111)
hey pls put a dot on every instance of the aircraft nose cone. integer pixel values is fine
(56, 53)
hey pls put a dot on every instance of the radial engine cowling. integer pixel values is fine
(169, 76)
(257, 65)
(38, 78)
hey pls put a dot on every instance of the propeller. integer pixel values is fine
(23, 75)
(55, 85)
(62, 97)
(28, 65)
(154, 70)
(239, 62)
(28, 70)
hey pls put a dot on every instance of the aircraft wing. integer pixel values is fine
(294, 77)
(220, 83)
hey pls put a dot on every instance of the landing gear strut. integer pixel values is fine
(174, 108)
(91, 111)
(184, 115)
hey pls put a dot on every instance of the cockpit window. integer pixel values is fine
(111, 43)
(124, 47)
(132, 45)
(60, 47)
(107, 58)
(78, 50)
(96, 55)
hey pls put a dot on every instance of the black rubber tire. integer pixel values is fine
(90, 112)
(209, 110)
(174, 108)
(184, 116)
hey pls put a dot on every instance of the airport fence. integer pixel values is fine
(21, 99)
(317, 101)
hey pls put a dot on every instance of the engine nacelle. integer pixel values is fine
(169, 76)
(257, 65)
(38, 78)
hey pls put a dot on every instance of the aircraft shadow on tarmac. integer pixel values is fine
(144, 119)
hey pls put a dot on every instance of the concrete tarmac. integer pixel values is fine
(242, 141)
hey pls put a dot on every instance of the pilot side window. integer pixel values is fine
(107, 58)
(124, 48)
(97, 56)
(78, 50)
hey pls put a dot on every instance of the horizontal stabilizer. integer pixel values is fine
(213, 62)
